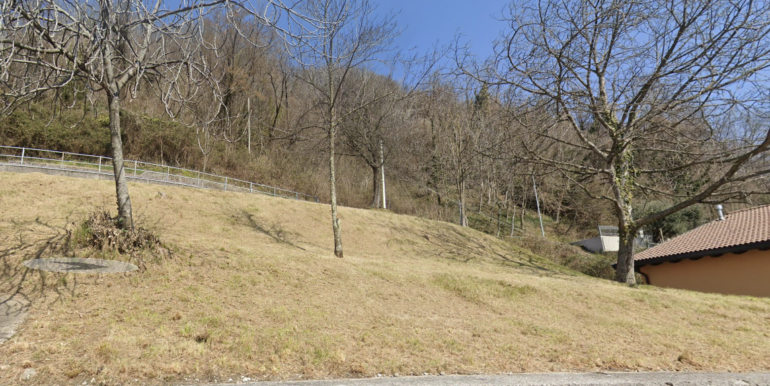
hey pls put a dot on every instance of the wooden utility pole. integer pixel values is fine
(248, 121)
(382, 172)
(537, 201)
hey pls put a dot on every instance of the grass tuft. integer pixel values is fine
(478, 290)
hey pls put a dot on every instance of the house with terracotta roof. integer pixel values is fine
(730, 255)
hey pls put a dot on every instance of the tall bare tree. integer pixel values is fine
(373, 132)
(112, 48)
(456, 135)
(342, 35)
(646, 98)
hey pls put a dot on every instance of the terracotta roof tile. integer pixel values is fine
(741, 227)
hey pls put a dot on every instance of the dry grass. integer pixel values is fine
(252, 289)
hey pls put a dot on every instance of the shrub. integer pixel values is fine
(101, 231)
(570, 256)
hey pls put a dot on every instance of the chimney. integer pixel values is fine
(721, 214)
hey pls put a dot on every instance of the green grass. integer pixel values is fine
(478, 290)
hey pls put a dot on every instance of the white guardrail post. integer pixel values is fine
(134, 168)
(100, 164)
(61, 164)
(22, 155)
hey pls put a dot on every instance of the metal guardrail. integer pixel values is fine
(138, 170)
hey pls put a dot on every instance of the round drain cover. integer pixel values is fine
(77, 265)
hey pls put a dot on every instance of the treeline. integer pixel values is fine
(429, 153)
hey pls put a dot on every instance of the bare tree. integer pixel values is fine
(281, 79)
(453, 120)
(343, 35)
(108, 47)
(646, 98)
(374, 131)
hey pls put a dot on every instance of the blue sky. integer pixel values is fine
(431, 21)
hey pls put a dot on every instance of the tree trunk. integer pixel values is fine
(382, 177)
(625, 269)
(505, 202)
(463, 217)
(433, 179)
(523, 208)
(333, 195)
(622, 189)
(624, 272)
(376, 188)
(490, 189)
(271, 129)
(248, 121)
(481, 196)
(125, 218)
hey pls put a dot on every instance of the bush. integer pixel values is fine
(672, 225)
(571, 256)
(101, 232)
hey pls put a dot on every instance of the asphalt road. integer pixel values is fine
(550, 379)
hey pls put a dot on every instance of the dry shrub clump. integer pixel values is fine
(596, 265)
(102, 232)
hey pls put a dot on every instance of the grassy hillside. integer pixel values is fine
(252, 289)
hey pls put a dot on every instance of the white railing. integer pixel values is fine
(138, 171)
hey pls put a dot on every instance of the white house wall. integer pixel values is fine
(600, 244)
(610, 243)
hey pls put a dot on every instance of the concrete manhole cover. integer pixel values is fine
(77, 265)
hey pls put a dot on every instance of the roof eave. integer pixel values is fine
(698, 254)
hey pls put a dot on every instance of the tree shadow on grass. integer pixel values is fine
(33, 240)
(274, 231)
(37, 239)
(449, 243)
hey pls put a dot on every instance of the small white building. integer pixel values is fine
(608, 241)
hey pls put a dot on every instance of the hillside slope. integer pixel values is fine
(252, 289)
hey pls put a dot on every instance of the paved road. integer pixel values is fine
(552, 379)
